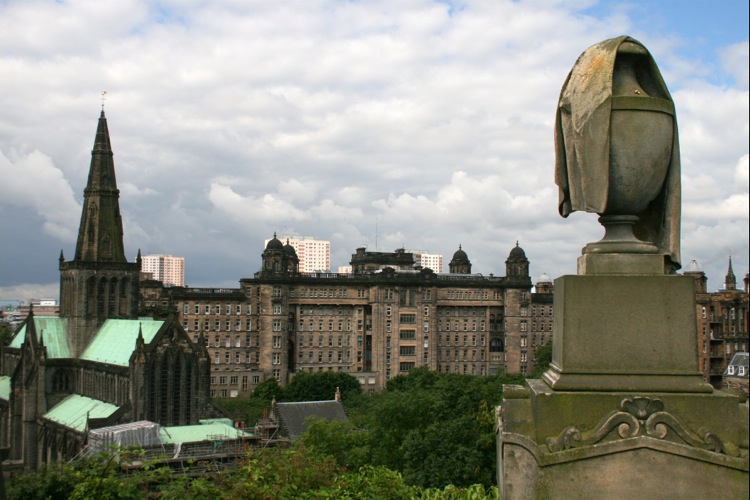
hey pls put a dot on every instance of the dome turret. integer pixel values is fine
(274, 244)
(460, 263)
(693, 267)
(517, 265)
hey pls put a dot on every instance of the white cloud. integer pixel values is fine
(31, 180)
(734, 60)
(231, 120)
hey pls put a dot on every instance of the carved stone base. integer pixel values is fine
(555, 444)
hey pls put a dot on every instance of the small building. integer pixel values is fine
(288, 421)
(737, 374)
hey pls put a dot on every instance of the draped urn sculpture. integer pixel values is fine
(617, 150)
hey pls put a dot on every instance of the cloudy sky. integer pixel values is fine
(428, 120)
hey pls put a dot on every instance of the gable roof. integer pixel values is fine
(75, 410)
(114, 343)
(54, 332)
(293, 416)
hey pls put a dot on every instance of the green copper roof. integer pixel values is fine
(115, 340)
(5, 388)
(55, 333)
(198, 433)
(72, 412)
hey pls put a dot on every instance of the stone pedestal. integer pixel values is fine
(623, 411)
(625, 333)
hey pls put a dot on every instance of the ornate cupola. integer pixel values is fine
(291, 261)
(517, 265)
(273, 257)
(460, 263)
(99, 283)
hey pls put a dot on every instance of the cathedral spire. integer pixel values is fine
(100, 232)
(730, 282)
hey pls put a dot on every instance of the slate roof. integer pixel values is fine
(114, 343)
(73, 411)
(292, 416)
(739, 366)
(54, 330)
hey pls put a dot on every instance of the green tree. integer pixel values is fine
(267, 390)
(350, 447)
(321, 386)
(373, 482)
(281, 473)
(436, 428)
(246, 409)
(542, 359)
(6, 334)
(55, 482)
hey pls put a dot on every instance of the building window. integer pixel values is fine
(276, 358)
(277, 342)
(407, 334)
(405, 366)
(408, 318)
(407, 350)
(277, 374)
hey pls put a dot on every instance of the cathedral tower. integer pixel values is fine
(99, 283)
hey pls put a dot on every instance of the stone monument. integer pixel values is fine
(623, 410)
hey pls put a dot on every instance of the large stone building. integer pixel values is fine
(722, 322)
(380, 321)
(97, 364)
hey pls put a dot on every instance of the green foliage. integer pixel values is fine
(350, 447)
(267, 390)
(282, 473)
(321, 386)
(55, 482)
(373, 482)
(450, 492)
(542, 359)
(101, 478)
(6, 334)
(436, 428)
(248, 410)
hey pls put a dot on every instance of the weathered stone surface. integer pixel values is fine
(617, 147)
(622, 264)
(625, 333)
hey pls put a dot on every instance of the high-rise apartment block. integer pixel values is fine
(168, 269)
(314, 255)
(432, 261)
